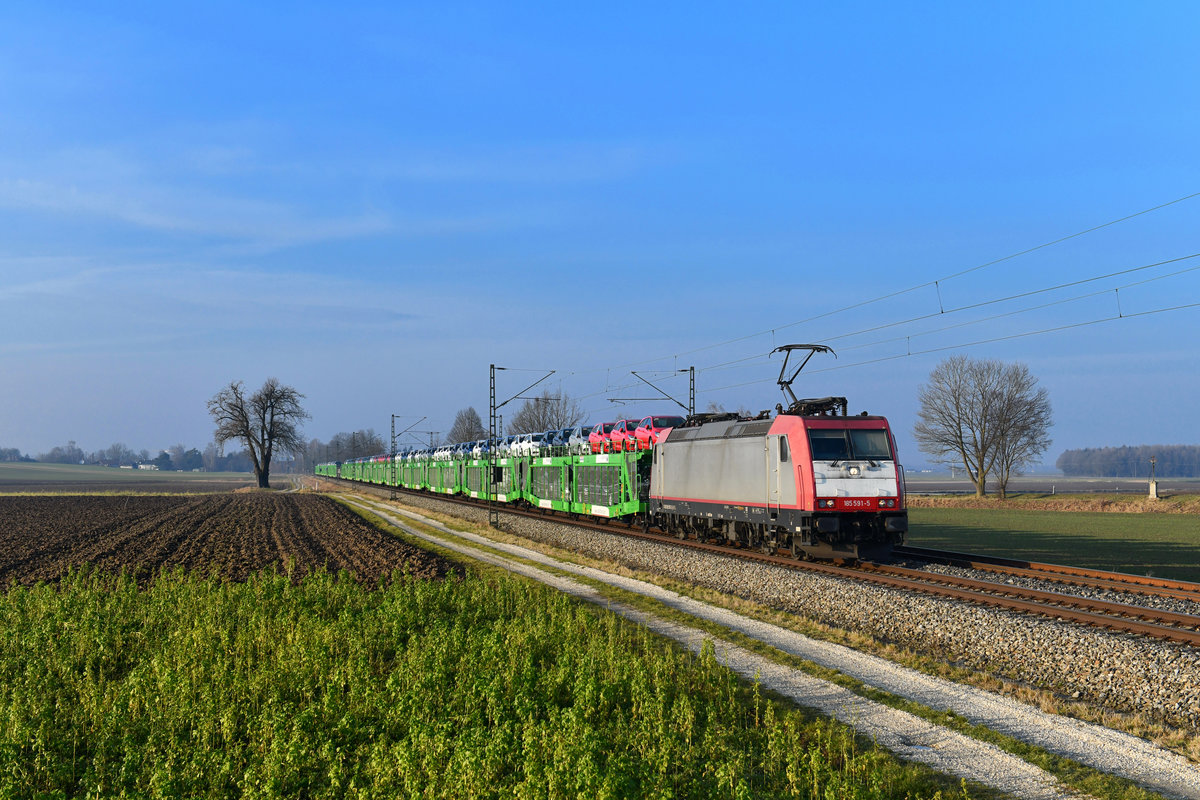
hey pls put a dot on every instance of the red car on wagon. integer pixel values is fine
(650, 428)
(622, 437)
(598, 438)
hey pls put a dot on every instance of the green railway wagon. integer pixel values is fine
(482, 479)
(507, 484)
(387, 472)
(475, 478)
(611, 484)
(412, 474)
(549, 482)
(444, 477)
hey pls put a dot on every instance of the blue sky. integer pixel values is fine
(375, 204)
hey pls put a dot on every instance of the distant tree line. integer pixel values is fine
(343, 446)
(1172, 461)
(176, 457)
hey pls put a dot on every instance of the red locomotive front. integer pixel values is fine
(820, 486)
(810, 480)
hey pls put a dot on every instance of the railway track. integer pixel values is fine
(1120, 617)
(1058, 573)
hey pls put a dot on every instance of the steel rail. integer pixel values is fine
(1078, 576)
(1106, 607)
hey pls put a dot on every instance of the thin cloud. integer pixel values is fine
(129, 310)
(572, 162)
(233, 218)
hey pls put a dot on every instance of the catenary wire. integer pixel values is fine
(759, 356)
(975, 343)
(924, 285)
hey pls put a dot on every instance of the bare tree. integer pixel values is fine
(985, 415)
(467, 427)
(346, 445)
(116, 454)
(719, 408)
(212, 457)
(1024, 420)
(266, 421)
(69, 454)
(546, 412)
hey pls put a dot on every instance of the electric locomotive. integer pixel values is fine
(811, 481)
(819, 485)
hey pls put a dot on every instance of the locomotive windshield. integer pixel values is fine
(830, 444)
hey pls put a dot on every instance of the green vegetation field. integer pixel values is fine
(1164, 545)
(480, 687)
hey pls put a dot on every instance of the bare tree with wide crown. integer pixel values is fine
(990, 417)
(468, 427)
(547, 412)
(266, 422)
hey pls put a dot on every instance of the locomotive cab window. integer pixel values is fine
(872, 444)
(783, 449)
(828, 445)
(836, 445)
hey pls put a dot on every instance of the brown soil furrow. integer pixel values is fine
(321, 520)
(231, 535)
(372, 552)
(136, 545)
(47, 547)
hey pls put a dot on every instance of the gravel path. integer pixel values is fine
(908, 736)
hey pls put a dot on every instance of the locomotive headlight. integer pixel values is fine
(887, 503)
(853, 470)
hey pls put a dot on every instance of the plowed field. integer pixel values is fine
(231, 535)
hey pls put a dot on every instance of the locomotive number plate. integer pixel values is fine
(856, 503)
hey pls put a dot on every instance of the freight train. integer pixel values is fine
(808, 480)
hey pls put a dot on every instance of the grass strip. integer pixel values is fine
(1164, 545)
